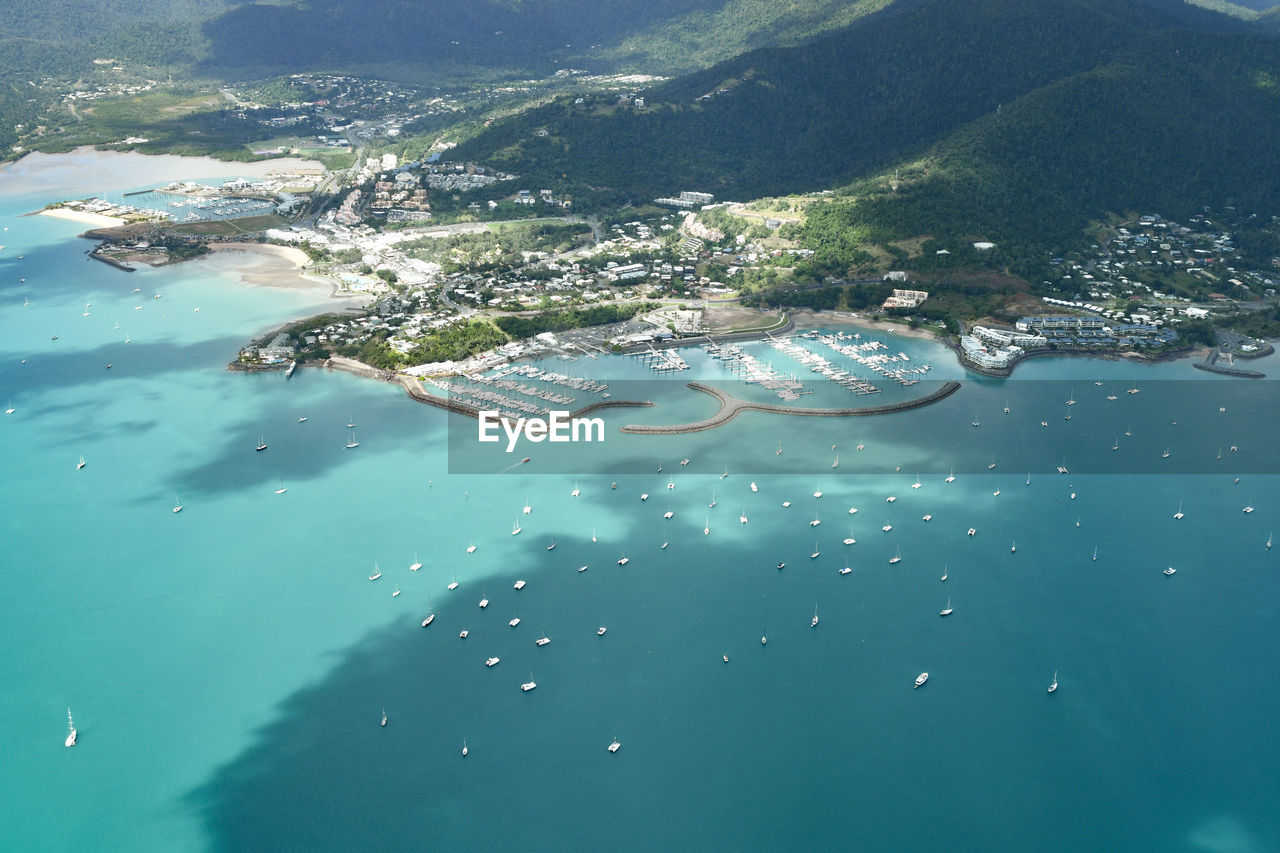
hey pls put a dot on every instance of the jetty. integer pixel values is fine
(731, 407)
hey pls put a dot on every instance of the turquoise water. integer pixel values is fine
(228, 665)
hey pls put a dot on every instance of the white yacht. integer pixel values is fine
(262, 444)
(890, 499)
(464, 748)
(551, 546)
(623, 561)
(484, 602)
(1013, 549)
(944, 573)
(644, 496)
(177, 506)
(384, 717)
(492, 661)
(813, 623)
(946, 611)
(849, 540)
(835, 463)
(471, 548)
(814, 523)
(71, 730)
(431, 617)
(887, 528)
(754, 488)
(514, 622)
(815, 553)
(528, 508)
(416, 564)
(518, 585)
(582, 568)
(1170, 570)
(1053, 685)
(613, 747)
(917, 484)
(600, 631)
(951, 478)
(282, 489)
(576, 491)
(542, 641)
(786, 504)
(1248, 508)
(922, 678)
(927, 517)
(668, 514)
(453, 581)
(742, 519)
(529, 685)
(818, 493)
(1178, 514)
(712, 504)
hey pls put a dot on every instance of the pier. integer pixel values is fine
(731, 406)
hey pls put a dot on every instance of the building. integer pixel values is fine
(905, 298)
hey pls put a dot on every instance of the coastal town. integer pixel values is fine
(463, 267)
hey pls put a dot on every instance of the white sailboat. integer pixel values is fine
(813, 623)
(282, 489)
(384, 716)
(262, 443)
(835, 463)
(80, 464)
(1053, 685)
(946, 611)
(1178, 514)
(944, 573)
(516, 528)
(951, 478)
(464, 748)
(453, 581)
(896, 558)
(177, 505)
(416, 564)
(377, 573)
(352, 443)
(71, 730)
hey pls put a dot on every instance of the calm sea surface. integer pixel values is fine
(228, 666)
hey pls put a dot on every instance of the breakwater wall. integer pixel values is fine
(731, 407)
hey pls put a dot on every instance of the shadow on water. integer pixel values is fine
(775, 744)
(328, 776)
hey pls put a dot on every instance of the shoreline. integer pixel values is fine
(97, 220)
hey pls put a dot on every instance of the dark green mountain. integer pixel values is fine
(1063, 105)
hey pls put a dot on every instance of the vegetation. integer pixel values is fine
(526, 326)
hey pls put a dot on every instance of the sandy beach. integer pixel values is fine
(97, 220)
(266, 265)
(292, 254)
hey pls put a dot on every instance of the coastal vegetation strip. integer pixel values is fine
(731, 406)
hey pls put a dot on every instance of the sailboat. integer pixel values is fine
(282, 489)
(416, 564)
(713, 500)
(813, 623)
(464, 747)
(528, 507)
(1178, 514)
(351, 424)
(1268, 541)
(951, 478)
(377, 573)
(530, 684)
(1006, 407)
(593, 534)
(353, 443)
(706, 526)
(946, 611)
(453, 581)
(764, 638)
(177, 505)
(778, 452)
(576, 491)
(431, 614)
(384, 716)
(944, 573)
(1053, 685)
(1095, 552)
(9, 409)
(516, 528)
(396, 592)
(262, 444)
(1165, 455)
(742, 519)
(835, 463)
(71, 730)
(80, 464)
(896, 558)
